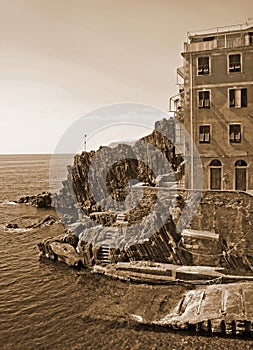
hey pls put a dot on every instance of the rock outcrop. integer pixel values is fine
(62, 248)
(41, 200)
(117, 219)
(101, 187)
(109, 171)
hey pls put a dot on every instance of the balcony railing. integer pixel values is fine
(218, 43)
(224, 29)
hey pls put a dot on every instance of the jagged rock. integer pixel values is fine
(90, 206)
(66, 253)
(67, 219)
(71, 239)
(41, 200)
(58, 249)
(46, 221)
(77, 228)
(25, 199)
(86, 253)
(94, 174)
(82, 182)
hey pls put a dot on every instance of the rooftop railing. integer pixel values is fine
(220, 42)
(224, 29)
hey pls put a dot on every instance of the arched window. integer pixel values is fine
(215, 162)
(240, 163)
(241, 175)
(215, 174)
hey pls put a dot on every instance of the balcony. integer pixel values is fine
(220, 38)
(176, 105)
(200, 46)
(224, 42)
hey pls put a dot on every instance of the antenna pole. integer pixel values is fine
(85, 138)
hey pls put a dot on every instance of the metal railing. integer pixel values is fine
(217, 43)
(224, 29)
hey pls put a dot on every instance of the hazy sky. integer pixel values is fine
(61, 59)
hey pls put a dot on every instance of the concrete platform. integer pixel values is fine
(142, 272)
(225, 308)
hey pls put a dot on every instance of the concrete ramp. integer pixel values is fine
(225, 308)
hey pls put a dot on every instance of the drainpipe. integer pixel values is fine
(191, 121)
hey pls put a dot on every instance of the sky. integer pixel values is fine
(60, 60)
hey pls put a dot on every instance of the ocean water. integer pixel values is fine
(46, 305)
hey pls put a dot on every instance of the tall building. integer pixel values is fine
(215, 105)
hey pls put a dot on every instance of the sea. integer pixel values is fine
(47, 305)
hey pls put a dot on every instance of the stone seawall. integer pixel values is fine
(230, 214)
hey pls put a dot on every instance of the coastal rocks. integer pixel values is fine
(66, 253)
(41, 200)
(71, 250)
(101, 192)
(46, 221)
(61, 249)
(100, 181)
(87, 252)
(25, 223)
(71, 239)
(104, 245)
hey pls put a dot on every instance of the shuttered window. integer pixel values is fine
(203, 65)
(234, 63)
(204, 134)
(238, 98)
(235, 133)
(204, 99)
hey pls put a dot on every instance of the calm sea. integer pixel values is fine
(45, 305)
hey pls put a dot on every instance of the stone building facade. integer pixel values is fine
(215, 105)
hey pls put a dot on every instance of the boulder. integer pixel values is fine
(66, 253)
(41, 200)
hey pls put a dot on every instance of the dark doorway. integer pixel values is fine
(241, 175)
(215, 174)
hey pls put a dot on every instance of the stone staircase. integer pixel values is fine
(120, 220)
(104, 254)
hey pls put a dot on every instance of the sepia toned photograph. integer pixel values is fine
(126, 175)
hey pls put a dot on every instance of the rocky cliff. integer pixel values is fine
(116, 219)
(103, 185)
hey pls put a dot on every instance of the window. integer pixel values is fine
(235, 133)
(204, 134)
(234, 63)
(215, 175)
(240, 163)
(251, 38)
(215, 162)
(178, 133)
(203, 65)
(240, 175)
(204, 99)
(238, 98)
